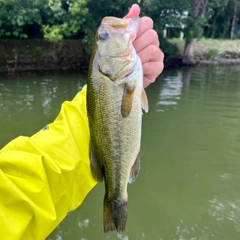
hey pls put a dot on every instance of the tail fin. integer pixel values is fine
(115, 215)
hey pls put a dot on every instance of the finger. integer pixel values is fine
(150, 37)
(145, 24)
(134, 11)
(147, 81)
(152, 70)
(150, 53)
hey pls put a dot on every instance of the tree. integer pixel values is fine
(233, 10)
(19, 18)
(15, 15)
(165, 12)
(194, 25)
(215, 10)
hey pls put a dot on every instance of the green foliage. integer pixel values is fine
(169, 49)
(16, 15)
(80, 20)
(213, 53)
(53, 33)
(194, 28)
(55, 20)
(54, 4)
(219, 14)
(166, 12)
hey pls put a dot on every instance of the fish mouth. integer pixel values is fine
(125, 24)
(134, 24)
(114, 22)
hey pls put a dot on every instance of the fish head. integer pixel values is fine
(116, 54)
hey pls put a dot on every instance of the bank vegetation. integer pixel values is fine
(59, 33)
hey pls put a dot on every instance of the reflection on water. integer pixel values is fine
(28, 103)
(188, 187)
(171, 90)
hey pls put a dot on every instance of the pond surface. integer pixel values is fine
(189, 184)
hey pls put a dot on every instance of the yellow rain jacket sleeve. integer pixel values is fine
(45, 176)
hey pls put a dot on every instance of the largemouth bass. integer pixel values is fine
(115, 98)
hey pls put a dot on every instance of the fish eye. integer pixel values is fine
(103, 35)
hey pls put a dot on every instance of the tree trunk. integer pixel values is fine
(234, 21)
(198, 10)
(188, 53)
(233, 26)
(214, 27)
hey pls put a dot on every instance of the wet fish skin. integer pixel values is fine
(115, 97)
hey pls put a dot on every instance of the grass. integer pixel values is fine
(211, 48)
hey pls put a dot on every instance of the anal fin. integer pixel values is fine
(135, 169)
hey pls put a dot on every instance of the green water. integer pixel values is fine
(189, 184)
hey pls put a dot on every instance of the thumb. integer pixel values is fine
(133, 12)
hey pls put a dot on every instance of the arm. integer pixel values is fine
(45, 176)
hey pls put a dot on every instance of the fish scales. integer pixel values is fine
(113, 145)
(114, 109)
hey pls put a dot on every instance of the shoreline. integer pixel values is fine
(22, 56)
(171, 62)
(74, 63)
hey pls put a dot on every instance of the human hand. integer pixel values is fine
(147, 47)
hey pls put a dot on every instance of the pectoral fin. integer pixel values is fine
(135, 169)
(127, 101)
(95, 167)
(144, 101)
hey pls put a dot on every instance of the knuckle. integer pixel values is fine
(161, 54)
(147, 68)
(154, 50)
(147, 21)
(153, 36)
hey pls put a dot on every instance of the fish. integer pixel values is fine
(115, 99)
